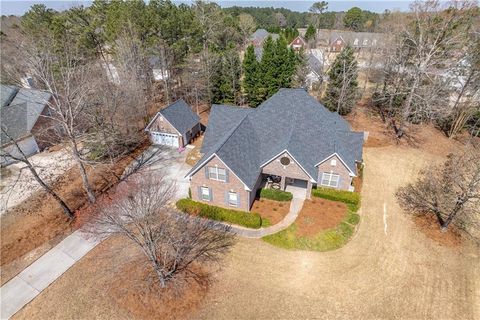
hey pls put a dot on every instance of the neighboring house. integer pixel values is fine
(298, 43)
(336, 40)
(315, 70)
(159, 71)
(290, 135)
(258, 37)
(174, 125)
(22, 122)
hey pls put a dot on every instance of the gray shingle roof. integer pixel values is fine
(180, 115)
(21, 112)
(291, 120)
(261, 34)
(314, 64)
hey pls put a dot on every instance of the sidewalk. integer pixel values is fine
(25, 286)
(295, 207)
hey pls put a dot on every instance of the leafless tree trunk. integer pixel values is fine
(20, 156)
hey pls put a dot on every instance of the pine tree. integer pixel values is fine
(250, 76)
(310, 33)
(226, 77)
(267, 76)
(341, 93)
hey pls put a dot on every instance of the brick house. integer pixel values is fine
(175, 125)
(290, 136)
(298, 43)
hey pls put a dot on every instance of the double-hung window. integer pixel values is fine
(215, 173)
(205, 193)
(233, 199)
(330, 179)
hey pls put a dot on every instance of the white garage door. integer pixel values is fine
(166, 139)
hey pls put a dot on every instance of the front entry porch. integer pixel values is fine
(301, 189)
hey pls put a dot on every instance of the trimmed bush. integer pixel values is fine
(277, 195)
(242, 218)
(337, 195)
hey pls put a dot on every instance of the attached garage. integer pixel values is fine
(174, 126)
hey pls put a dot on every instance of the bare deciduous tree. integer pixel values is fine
(14, 152)
(171, 242)
(450, 191)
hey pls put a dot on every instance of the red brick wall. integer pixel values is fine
(219, 188)
(339, 168)
(293, 170)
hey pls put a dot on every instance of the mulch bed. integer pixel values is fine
(272, 210)
(428, 225)
(319, 214)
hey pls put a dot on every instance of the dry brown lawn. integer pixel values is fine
(38, 224)
(272, 210)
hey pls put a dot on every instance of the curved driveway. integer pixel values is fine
(389, 270)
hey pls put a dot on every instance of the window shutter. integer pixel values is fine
(226, 175)
(210, 194)
(238, 199)
(206, 172)
(199, 193)
(226, 197)
(339, 181)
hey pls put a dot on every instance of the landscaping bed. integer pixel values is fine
(322, 224)
(242, 218)
(271, 210)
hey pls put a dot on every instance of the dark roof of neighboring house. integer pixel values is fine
(292, 120)
(20, 110)
(314, 64)
(261, 34)
(180, 116)
(258, 53)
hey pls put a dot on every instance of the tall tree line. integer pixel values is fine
(275, 70)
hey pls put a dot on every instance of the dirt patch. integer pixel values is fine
(428, 225)
(319, 214)
(194, 155)
(142, 301)
(272, 210)
(204, 115)
(108, 284)
(39, 220)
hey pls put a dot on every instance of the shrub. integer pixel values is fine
(277, 195)
(246, 219)
(353, 218)
(337, 195)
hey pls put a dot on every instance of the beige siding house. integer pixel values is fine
(290, 138)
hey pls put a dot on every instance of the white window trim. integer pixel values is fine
(217, 174)
(208, 191)
(236, 199)
(331, 175)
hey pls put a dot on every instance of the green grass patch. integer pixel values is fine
(242, 218)
(274, 194)
(337, 195)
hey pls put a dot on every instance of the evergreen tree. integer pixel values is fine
(250, 76)
(226, 77)
(310, 33)
(341, 93)
(267, 76)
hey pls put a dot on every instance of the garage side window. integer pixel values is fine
(330, 180)
(205, 194)
(215, 173)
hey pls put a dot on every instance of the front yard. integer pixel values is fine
(321, 225)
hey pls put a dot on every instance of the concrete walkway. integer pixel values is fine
(295, 207)
(21, 289)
